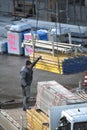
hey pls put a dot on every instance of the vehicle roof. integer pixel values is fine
(76, 115)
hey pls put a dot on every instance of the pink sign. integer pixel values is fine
(12, 41)
(29, 49)
(28, 36)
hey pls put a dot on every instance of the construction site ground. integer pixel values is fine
(10, 88)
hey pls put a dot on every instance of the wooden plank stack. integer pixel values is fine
(37, 120)
(48, 62)
(55, 57)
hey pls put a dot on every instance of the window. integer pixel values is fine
(80, 126)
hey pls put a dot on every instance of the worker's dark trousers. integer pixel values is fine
(26, 96)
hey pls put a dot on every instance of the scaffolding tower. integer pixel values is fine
(52, 10)
(69, 11)
(24, 8)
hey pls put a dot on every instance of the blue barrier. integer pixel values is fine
(74, 65)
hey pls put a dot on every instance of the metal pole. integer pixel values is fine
(67, 9)
(56, 17)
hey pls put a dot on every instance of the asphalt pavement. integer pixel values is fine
(10, 88)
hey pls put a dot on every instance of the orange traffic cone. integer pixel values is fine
(85, 79)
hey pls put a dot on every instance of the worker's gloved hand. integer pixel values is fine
(40, 57)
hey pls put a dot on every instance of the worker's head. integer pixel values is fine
(28, 63)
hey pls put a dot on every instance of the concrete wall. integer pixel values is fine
(6, 6)
(66, 13)
(79, 16)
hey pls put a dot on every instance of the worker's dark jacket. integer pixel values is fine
(26, 74)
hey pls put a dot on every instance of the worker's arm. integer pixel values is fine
(34, 63)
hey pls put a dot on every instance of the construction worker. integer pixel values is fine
(26, 75)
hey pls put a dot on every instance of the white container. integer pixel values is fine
(28, 48)
(14, 43)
